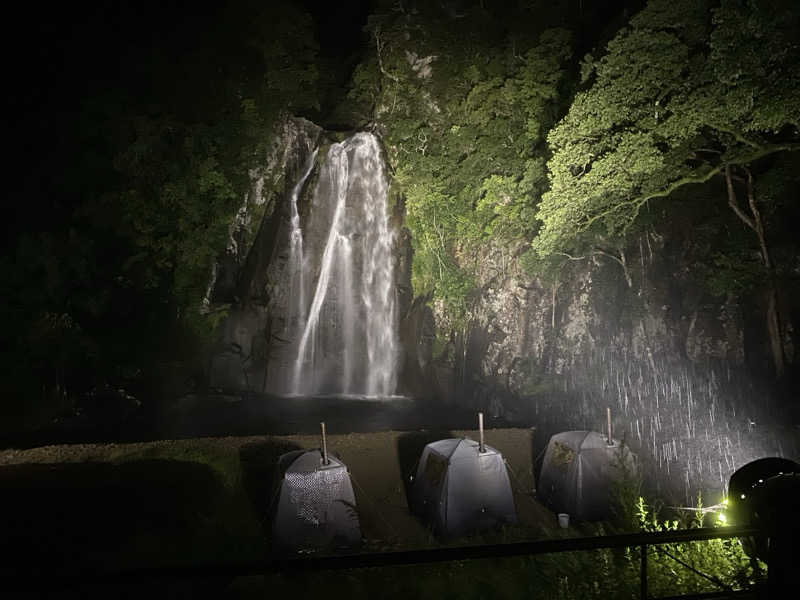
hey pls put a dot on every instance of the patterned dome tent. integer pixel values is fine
(577, 473)
(316, 508)
(459, 489)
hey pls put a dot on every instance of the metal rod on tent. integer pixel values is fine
(608, 417)
(324, 446)
(481, 447)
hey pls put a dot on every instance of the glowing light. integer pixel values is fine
(722, 519)
(743, 496)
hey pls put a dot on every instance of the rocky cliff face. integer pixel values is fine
(244, 280)
(627, 329)
(524, 331)
(630, 331)
(255, 278)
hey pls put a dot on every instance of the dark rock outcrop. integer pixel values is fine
(241, 280)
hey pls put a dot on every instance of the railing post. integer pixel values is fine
(643, 575)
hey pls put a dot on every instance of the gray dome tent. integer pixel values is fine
(459, 489)
(316, 508)
(577, 473)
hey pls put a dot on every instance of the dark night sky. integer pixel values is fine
(58, 58)
(70, 48)
(68, 45)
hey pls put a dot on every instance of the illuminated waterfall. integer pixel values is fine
(297, 285)
(346, 340)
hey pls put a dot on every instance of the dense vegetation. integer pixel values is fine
(503, 140)
(465, 106)
(137, 162)
(678, 99)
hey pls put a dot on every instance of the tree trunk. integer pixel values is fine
(754, 222)
(774, 330)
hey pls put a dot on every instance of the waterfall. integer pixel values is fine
(297, 297)
(346, 336)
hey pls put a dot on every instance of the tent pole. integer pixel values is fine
(608, 418)
(324, 446)
(481, 447)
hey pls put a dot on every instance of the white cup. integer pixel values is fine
(563, 520)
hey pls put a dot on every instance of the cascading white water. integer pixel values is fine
(347, 336)
(297, 297)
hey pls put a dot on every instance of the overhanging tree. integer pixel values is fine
(687, 92)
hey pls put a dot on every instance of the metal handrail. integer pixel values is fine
(549, 546)
(410, 557)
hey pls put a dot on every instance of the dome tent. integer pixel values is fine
(458, 488)
(316, 507)
(753, 502)
(577, 473)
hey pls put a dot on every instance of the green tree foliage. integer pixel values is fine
(465, 103)
(177, 204)
(183, 160)
(677, 98)
(692, 567)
